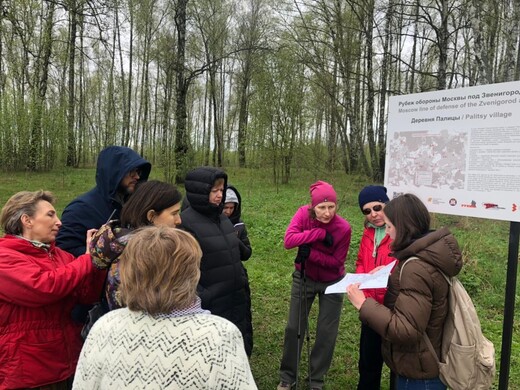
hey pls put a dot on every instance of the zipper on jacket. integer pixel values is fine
(374, 252)
(51, 257)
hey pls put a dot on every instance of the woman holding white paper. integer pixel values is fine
(416, 302)
(374, 253)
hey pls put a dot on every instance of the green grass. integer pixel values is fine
(267, 209)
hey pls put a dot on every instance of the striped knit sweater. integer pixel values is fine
(133, 350)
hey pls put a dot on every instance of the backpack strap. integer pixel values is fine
(406, 262)
(425, 336)
(430, 347)
(412, 258)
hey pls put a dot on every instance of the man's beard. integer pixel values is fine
(125, 192)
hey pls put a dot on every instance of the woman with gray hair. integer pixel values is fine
(162, 339)
(39, 285)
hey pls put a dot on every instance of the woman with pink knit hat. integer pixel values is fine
(323, 240)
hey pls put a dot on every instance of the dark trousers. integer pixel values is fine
(419, 384)
(63, 385)
(248, 335)
(370, 362)
(329, 313)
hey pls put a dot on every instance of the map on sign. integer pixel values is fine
(435, 160)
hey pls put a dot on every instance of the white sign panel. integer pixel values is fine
(458, 150)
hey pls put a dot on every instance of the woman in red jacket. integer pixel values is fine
(374, 252)
(39, 285)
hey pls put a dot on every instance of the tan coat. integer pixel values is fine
(419, 304)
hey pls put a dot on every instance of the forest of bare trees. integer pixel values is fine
(249, 83)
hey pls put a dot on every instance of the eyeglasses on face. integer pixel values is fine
(376, 208)
(135, 172)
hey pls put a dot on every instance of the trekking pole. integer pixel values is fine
(301, 257)
(306, 314)
(299, 334)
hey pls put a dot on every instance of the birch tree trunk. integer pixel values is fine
(181, 132)
(71, 137)
(482, 55)
(42, 75)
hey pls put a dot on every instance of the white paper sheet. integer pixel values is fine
(378, 279)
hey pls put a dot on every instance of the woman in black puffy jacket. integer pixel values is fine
(222, 285)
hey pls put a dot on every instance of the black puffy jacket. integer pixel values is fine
(222, 285)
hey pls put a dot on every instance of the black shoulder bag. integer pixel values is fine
(98, 310)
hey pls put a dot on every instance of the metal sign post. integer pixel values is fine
(509, 305)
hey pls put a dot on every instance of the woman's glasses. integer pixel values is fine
(376, 208)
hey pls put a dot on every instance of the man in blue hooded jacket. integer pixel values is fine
(118, 171)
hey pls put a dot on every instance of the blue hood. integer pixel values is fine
(92, 209)
(113, 163)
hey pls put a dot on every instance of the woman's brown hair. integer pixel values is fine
(150, 195)
(410, 218)
(23, 202)
(159, 270)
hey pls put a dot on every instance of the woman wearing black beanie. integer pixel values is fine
(374, 253)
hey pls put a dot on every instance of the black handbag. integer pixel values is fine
(98, 310)
(94, 314)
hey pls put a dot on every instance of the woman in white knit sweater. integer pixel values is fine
(162, 339)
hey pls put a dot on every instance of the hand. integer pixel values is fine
(303, 253)
(328, 241)
(355, 295)
(90, 233)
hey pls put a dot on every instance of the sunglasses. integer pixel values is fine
(376, 208)
(135, 172)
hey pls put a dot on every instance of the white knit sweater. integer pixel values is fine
(133, 350)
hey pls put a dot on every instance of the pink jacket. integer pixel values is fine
(366, 261)
(324, 264)
(39, 343)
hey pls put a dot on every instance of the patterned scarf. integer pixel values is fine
(37, 244)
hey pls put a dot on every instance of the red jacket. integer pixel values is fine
(366, 261)
(39, 343)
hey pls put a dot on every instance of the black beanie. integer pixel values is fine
(372, 194)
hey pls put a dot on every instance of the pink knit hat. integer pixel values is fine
(322, 192)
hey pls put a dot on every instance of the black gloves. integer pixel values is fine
(328, 240)
(303, 253)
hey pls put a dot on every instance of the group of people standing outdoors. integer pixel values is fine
(173, 268)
